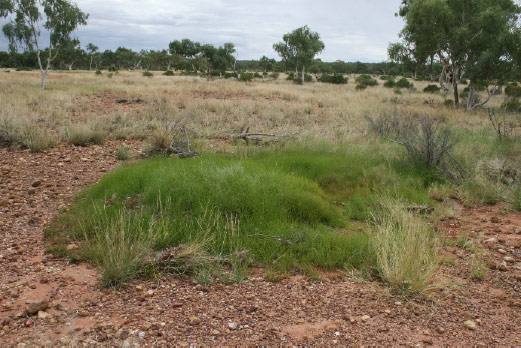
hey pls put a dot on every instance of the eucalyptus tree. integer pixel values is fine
(92, 49)
(57, 18)
(299, 48)
(187, 49)
(471, 38)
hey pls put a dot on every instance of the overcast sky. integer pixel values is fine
(352, 30)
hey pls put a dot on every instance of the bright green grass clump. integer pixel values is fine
(287, 210)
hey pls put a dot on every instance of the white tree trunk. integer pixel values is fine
(44, 76)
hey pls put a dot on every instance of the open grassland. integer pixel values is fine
(324, 193)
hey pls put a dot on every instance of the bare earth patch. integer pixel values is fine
(337, 310)
(102, 104)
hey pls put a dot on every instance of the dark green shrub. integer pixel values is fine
(513, 90)
(291, 76)
(397, 91)
(98, 72)
(337, 79)
(169, 73)
(448, 102)
(404, 83)
(215, 73)
(246, 77)
(24, 68)
(360, 87)
(390, 83)
(511, 105)
(113, 68)
(308, 78)
(274, 75)
(147, 74)
(257, 76)
(366, 80)
(464, 82)
(431, 89)
(189, 73)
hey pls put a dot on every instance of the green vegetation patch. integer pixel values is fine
(290, 210)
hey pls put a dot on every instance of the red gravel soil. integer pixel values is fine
(340, 309)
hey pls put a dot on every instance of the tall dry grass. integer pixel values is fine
(405, 248)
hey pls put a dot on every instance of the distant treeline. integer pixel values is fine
(75, 58)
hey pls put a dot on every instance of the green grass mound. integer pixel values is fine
(214, 216)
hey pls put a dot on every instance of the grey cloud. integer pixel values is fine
(352, 30)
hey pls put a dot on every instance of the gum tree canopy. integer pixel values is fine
(58, 18)
(475, 39)
(299, 48)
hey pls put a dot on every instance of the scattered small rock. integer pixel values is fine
(36, 183)
(494, 220)
(471, 325)
(365, 318)
(194, 321)
(43, 315)
(440, 330)
(233, 325)
(428, 341)
(36, 307)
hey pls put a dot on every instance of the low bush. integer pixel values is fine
(98, 72)
(246, 77)
(404, 83)
(366, 80)
(390, 83)
(24, 69)
(257, 76)
(26, 135)
(427, 142)
(123, 153)
(337, 79)
(112, 68)
(513, 90)
(432, 89)
(85, 134)
(168, 73)
(36, 139)
(147, 74)
(274, 75)
(511, 104)
(215, 73)
(361, 87)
